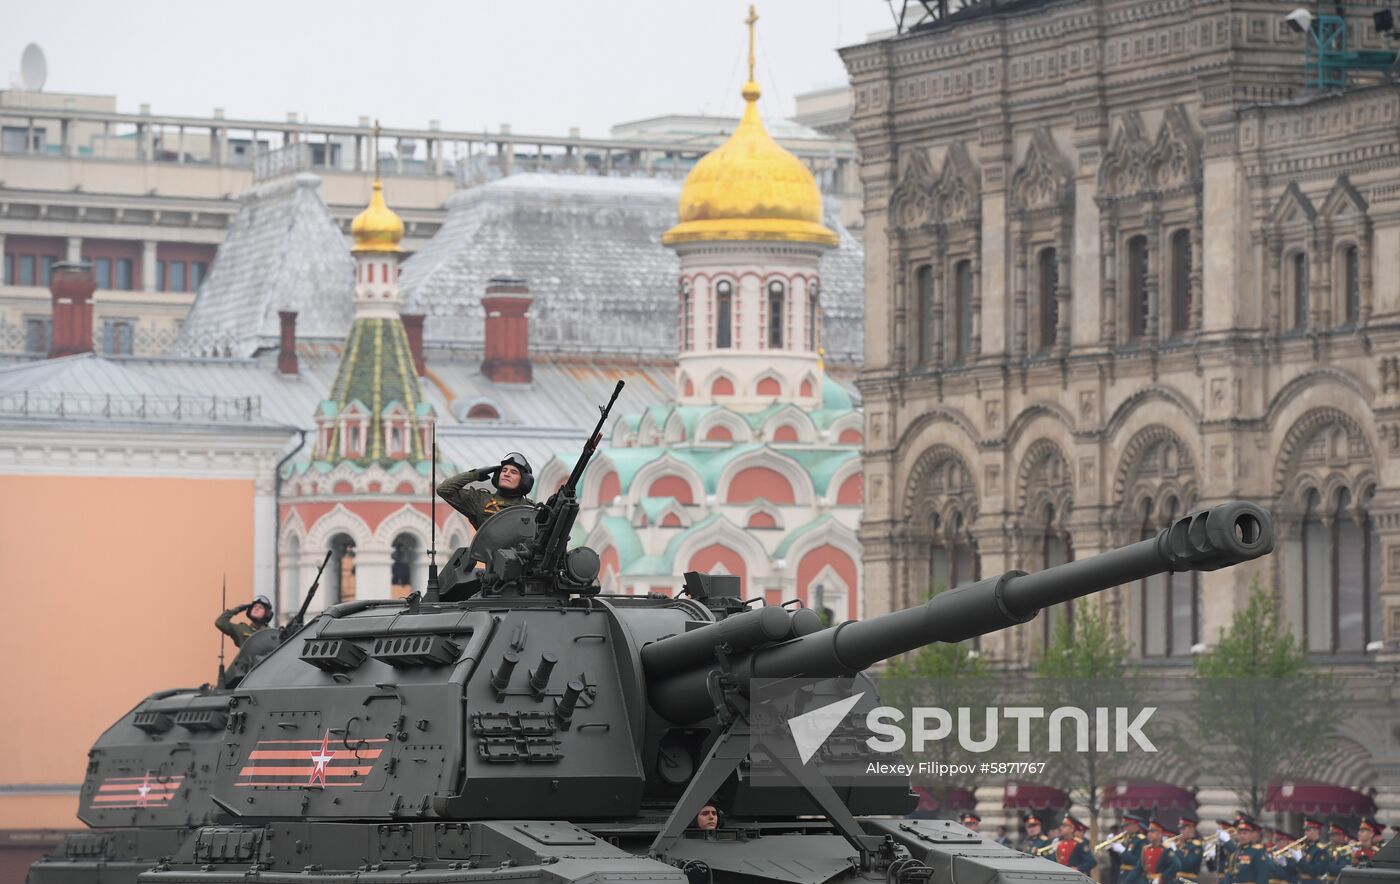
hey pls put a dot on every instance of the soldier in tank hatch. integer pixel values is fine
(259, 613)
(512, 480)
(708, 817)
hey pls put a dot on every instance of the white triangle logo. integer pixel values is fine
(810, 729)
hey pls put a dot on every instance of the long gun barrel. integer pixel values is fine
(1214, 538)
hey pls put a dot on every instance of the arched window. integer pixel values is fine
(1047, 308)
(962, 311)
(777, 301)
(1351, 285)
(1137, 287)
(342, 570)
(1298, 263)
(1171, 602)
(1181, 282)
(1341, 574)
(952, 555)
(1055, 549)
(724, 314)
(813, 316)
(686, 333)
(925, 314)
(405, 565)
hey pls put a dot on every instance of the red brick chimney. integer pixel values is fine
(507, 331)
(71, 288)
(413, 327)
(287, 346)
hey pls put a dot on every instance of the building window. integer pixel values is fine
(102, 268)
(813, 316)
(924, 279)
(685, 316)
(1341, 574)
(46, 263)
(1351, 282)
(952, 555)
(198, 270)
(26, 270)
(1181, 282)
(1298, 262)
(1049, 309)
(1171, 616)
(175, 280)
(962, 311)
(1055, 549)
(1137, 287)
(38, 334)
(724, 314)
(777, 301)
(125, 275)
(117, 337)
(9, 270)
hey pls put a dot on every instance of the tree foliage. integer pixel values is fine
(1262, 711)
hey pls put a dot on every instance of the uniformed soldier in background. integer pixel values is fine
(511, 478)
(1153, 863)
(1312, 866)
(1338, 849)
(1367, 844)
(1126, 850)
(259, 612)
(1189, 848)
(1250, 862)
(1285, 866)
(1072, 849)
(1037, 843)
(971, 820)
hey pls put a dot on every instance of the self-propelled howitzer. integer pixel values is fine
(526, 726)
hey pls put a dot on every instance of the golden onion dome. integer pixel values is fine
(750, 188)
(377, 228)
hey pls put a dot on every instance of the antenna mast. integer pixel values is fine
(223, 607)
(430, 594)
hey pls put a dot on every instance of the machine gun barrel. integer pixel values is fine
(1214, 538)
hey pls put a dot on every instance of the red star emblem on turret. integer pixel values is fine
(320, 758)
(143, 790)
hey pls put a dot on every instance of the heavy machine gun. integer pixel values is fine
(529, 723)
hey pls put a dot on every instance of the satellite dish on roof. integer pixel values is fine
(33, 69)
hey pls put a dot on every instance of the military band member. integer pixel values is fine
(1127, 849)
(1338, 848)
(1285, 865)
(1312, 865)
(1225, 844)
(1367, 844)
(259, 614)
(1072, 849)
(511, 479)
(1153, 863)
(1250, 862)
(1037, 843)
(1190, 848)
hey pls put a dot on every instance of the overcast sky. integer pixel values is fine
(542, 65)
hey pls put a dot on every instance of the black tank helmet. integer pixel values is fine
(527, 476)
(266, 603)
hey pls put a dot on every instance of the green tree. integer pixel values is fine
(1085, 666)
(951, 677)
(1262, 711)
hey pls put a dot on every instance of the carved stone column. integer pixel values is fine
(1063, 311)
(936, 282)
(900, 328)
(1197, 270)
(1155, 251)
(1323, 295)
(1273, 273)
(976, 290)
(1108, 247)
(1020, 272)
(1367, 281)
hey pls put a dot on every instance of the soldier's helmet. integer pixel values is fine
(527, 476)
(267, 605)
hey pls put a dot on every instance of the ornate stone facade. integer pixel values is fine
(1120, 265)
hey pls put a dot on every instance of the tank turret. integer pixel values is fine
(513, 717)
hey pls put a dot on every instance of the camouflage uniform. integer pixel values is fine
(477, 504)
(239, 632)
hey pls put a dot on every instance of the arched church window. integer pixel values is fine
(1298, 280)
(777, 301)
(1351, 285)
(1048, 308)
(1056, 548)
(1181, 282)
(1137, 287)
(1341, 573)
(926, 330)
(813, 315)
(962, 311)
(953, 558)
(686, 333)
(724, 314)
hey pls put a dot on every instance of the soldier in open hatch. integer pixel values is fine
(512, 479)
(259, 612)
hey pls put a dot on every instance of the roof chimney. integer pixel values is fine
(287, 346)
(507, 331)
(413, 327)
(71, 287)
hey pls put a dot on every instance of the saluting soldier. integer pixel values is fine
(1154, 863)
(1190, 848)
(1250, 862)
(259, 613)
(1037, 843)
(1312, 864)
(512, 480)
(1072, 849)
